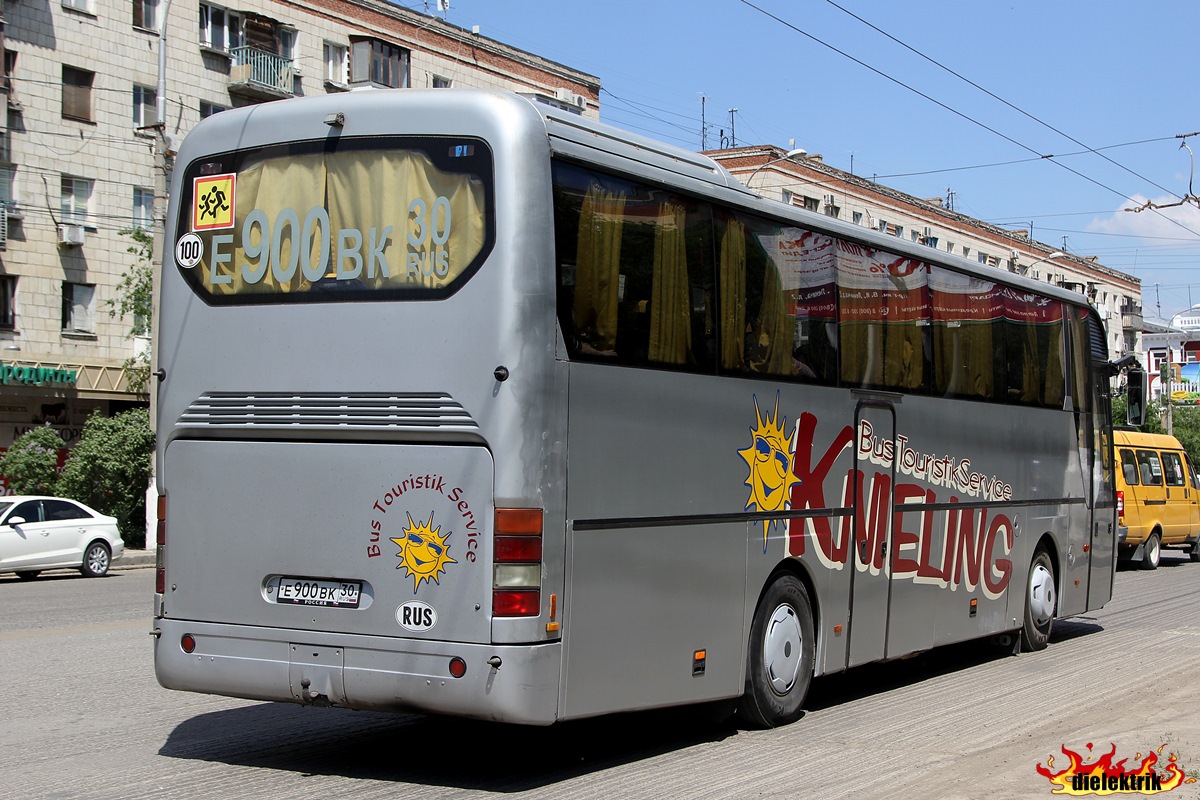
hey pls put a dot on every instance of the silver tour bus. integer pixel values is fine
(470, 406)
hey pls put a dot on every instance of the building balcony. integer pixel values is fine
(1131, 316)
(260, 74)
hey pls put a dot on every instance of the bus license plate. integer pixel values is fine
(311, 592)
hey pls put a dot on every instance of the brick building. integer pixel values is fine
(79, 152)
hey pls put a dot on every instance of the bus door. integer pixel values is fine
(870, 586)
(1101, 493)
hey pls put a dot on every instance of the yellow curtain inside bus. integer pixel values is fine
(598, 268)
(670, 323)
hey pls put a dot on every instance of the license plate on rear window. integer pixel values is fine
(315, 592)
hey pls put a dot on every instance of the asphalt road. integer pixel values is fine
(84, 718)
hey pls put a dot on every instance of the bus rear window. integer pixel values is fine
(369, 219)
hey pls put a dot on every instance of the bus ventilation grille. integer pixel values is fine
(327, 411)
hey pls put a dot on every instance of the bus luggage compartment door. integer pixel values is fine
(346, 537)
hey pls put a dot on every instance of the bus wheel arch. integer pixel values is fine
(1041, 597)
(781, 652)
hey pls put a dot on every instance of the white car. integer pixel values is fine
(38, 533)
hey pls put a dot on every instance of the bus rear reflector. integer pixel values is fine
(160, 540)
(517, 563)
(517, 549)
(516, 602)
(1121, 505)
(519, 521)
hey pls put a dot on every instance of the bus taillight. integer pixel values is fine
(1121, 506)
(160, 567)
(517, 563)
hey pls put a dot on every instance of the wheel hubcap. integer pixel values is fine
(97, 559)
(782, 646)
(1041, 595)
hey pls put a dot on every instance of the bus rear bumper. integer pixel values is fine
(361, 672)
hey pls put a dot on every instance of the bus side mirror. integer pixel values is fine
(1135, 397)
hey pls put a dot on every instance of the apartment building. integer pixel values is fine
(81, 155)
(806, 180)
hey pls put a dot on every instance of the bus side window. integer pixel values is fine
(1150, 468)
(1129, 468)
(773, 322)
(1173, 469)
(635, 272)
(1191, 471)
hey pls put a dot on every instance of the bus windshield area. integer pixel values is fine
(356, 219)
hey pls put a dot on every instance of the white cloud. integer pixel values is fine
(1174, 222)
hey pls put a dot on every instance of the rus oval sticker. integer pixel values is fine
(416, 616)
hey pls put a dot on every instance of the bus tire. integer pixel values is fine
(1194, 555)
(779, 661)
(1152, 552)
(1041, 602)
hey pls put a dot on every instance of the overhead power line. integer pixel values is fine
(1046, 157)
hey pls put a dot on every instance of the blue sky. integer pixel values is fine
(1114, 78)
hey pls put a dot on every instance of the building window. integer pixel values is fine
(145, 111)
(787, 196)
(285, 42)
(10, 70)
(78, 5)
(78, 308)
(858, 218)
(899, 232)
(380, 63)
(8, 302)
(982, 257)
(143, 208)
(966, 251)
(220, 29)
(949, 247)
(145, 14)
(834, 211)
(8, 185)
(441, 83)
(207, 109)
(77, 93)
(76, 200)
(811, 204)
(335, 63)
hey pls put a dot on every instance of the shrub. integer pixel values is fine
(109, 470)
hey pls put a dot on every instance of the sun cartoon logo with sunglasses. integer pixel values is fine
(423, 552)
(769, 459)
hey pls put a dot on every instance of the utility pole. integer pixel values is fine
(732, 130)
(703, 124)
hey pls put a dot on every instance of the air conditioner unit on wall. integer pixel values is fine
(70, 235)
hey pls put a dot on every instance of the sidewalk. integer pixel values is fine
(134, 559)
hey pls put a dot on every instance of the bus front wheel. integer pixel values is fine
(1041, 601)
(780, 657)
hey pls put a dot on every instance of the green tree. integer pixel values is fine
(31, 464)
(135, 298)
(109, 469)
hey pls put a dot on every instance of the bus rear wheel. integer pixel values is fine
(780, 657)
(1041, 601)
(1152, 552)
